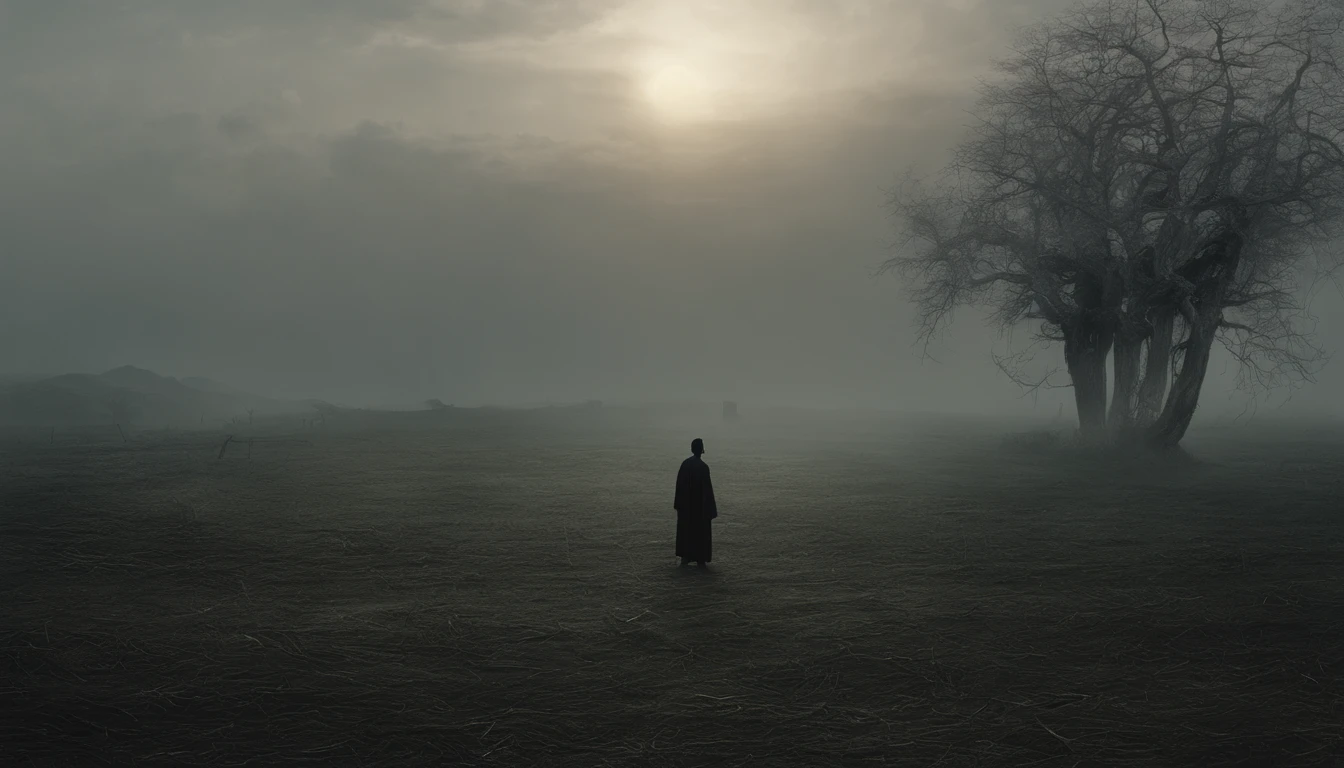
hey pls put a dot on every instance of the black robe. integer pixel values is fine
(695, 508)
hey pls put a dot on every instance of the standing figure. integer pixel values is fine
(695, 508)
(729, 411)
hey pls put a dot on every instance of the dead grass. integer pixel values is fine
(507, 597)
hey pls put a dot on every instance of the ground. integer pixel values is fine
(505, 594)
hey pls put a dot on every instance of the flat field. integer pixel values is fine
(501, 591)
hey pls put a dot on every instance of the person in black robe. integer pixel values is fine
(695, 508)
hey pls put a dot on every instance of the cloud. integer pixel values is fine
(463, 266)
(471, 200)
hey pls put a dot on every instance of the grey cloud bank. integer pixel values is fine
(385, 202)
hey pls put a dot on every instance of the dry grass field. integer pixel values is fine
(500, 591)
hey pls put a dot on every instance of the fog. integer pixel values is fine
(497, 203)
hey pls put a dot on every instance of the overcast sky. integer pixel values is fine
(487, 201)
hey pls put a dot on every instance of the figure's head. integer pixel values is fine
(697, 446)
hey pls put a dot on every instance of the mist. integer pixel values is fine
(572, 382)
(478, 203)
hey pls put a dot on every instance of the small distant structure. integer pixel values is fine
(435, 404)
(729, 411)
(324, 409)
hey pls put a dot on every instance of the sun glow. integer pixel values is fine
(697, 65)
(679, 92)
(708, 61)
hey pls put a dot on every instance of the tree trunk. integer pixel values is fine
(1203, 312)
(1171, 425)
(1153, 390)
(1085, 350)
(1128, 357)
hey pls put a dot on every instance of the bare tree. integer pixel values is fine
(1147, 178)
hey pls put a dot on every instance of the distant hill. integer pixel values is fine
(214, 387)
(147, 382)
(129, 395)
(51, 403)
